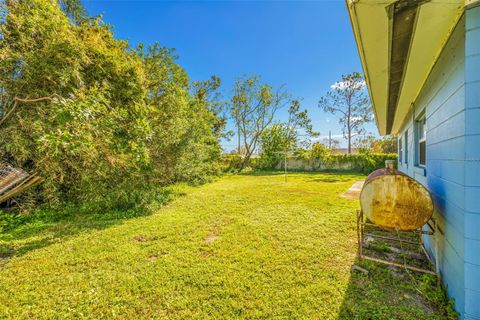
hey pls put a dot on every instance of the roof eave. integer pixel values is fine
(398, 43)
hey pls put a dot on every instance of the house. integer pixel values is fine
(421, 60)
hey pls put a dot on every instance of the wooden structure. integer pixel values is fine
(14, 181)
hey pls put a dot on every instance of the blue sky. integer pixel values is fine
(306, 45)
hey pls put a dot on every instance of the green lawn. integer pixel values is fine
(248, 246)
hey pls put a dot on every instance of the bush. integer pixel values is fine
(365, 163)
(318, 159)
(232, 163)
(113, 120)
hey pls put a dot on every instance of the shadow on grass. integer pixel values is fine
(326, 176)
(378, 291)
(261, 173)
(23, 233)
(338, 177)
(392, 293)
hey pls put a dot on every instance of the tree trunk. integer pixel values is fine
(238, 135)
(349, 119)
(349, 141)
(245, 162)
(249, 150)
(349, 136)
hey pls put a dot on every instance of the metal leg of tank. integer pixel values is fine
(420, 232)
(360, 233)
(389, 238)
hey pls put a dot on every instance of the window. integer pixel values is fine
(400, 150)
(405, 139)
(421, 141)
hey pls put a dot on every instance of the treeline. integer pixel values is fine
(315, 158)
(107, 124)
(100, 121)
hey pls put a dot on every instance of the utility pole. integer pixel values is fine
(330, 139)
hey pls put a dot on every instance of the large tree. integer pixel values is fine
(349, 100)
(253, 107)
(186, 120)
(95, 118)
(72, 101)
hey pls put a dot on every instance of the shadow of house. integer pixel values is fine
(378, 291)
(389, 293)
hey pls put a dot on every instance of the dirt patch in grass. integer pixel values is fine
(215, 230)
(204, 254)
(211, 237)
(140, 238)
(152, 257)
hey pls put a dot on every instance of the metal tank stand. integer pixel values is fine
(432, 226)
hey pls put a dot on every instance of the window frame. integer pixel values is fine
(405, 146)
(421, 137)
(400, 150)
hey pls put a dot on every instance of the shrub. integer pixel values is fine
(231, 162)
(318, 159)
(365, 163)
(118, 120)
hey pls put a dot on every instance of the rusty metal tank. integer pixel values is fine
(394, 201)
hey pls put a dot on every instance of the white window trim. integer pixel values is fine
(405, 147)
(420, 119)
(400, 150)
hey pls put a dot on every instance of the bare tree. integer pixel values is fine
(349, 99)
(253, 108)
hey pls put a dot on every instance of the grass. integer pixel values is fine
(246, 246)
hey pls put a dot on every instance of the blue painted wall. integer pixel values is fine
(472, 164)
(450, 100)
